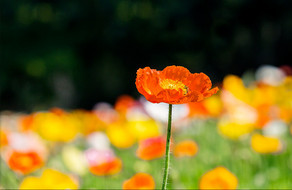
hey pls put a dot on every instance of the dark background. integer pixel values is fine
(73, 54)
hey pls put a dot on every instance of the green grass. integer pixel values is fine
(254, 171)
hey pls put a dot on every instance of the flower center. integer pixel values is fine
(26, 161)
(174, 85)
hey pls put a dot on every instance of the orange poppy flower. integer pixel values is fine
(58, 111)
(26, 122)
(151, 148)
(139, 181)
(25, 162)
(218, 178)
(173, 85)
(103, 162)
(3, 138)
(186, 148)
(123, 103)
(107, 168)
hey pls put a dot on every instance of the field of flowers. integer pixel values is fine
(237, 138)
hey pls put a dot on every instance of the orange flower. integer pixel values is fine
(107, 168)
(123, 103)
(26, 122)
(139, 181)
(151, 148)
(186, 148)
(173, 85)
(265, 114)
(103, 162)
(3, 138)
(218, 178)
(58, 111)
(25, 162)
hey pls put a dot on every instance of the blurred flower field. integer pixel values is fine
(239, 138)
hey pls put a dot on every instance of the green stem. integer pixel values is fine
(167, 152)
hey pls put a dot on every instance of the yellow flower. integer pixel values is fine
(285, 100)
(87, 121)
(234, 130)
(213, 105)
(50, 179)
(234, 85)
(56, 127)
(120, 135)
(218, 178)
(265, 145)
(143, 129)
(268, 92)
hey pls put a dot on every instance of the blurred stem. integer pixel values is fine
(167, 152)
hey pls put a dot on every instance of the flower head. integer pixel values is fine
(50, 179)
(234, 130)
(173, 85)
(74, 160)
(3, 138)
(139, 181)
(186, 148)
(51, 125)
(218, 178)
(123, 104)
(120, 135)
(103, 162)
(25, 162)
(151, 148)
(265, 145)
(26, 122)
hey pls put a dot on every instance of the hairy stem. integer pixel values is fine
(167, 151)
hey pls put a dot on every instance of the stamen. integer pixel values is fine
(175, 85)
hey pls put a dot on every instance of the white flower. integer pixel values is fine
(159, 111)
(275, 128)
(74, 160)
(270, 75)
(96, 157)
(98, 140)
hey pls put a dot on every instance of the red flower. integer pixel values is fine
(173, 85)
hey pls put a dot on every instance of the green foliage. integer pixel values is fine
(252, 169)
